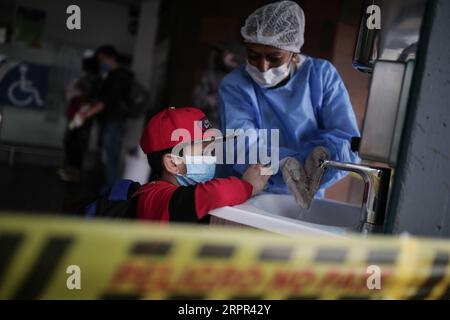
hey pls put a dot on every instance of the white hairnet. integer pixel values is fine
(280, 24)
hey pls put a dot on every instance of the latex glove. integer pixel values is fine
(313, 169)
(294, 175)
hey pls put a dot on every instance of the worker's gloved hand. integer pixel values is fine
(313, 169)
(304, 183)
(294, 175)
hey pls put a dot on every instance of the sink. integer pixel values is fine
(281, 214)
(325, 212)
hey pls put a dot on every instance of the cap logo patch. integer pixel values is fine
(205, 124)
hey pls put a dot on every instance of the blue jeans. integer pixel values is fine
(111, 138)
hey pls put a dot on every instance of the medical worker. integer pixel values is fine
(303, 97)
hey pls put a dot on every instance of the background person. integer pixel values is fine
(224, 58)
(81, 96)
(115, 97)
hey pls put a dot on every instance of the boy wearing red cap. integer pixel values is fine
(183, 189)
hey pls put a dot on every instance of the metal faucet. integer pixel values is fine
(376, 188)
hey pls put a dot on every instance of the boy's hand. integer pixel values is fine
(255, 175)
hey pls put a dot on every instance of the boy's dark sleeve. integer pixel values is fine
(190, 204)
(182, 205)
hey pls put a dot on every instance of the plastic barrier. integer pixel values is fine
(48, 257)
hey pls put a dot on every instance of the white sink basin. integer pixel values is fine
(281, 214)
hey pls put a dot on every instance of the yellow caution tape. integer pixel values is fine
(68, 258)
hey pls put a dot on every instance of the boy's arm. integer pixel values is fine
(190, 204)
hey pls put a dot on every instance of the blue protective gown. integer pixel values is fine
(312, 109)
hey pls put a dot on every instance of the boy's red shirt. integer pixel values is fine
(163, 201)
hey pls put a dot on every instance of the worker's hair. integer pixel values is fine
(156, 164)
(108, 50)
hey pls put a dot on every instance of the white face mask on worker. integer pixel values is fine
(269, 78)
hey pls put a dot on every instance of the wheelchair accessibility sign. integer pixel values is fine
(23, 84)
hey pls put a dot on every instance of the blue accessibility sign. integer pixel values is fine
(23, 84)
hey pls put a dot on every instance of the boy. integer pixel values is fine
(182, 189)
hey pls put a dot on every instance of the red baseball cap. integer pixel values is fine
(157, 135)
